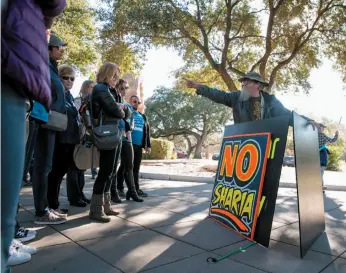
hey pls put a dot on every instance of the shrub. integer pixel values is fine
(334, 159)
(160, 149)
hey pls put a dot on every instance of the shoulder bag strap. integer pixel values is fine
(92, 115)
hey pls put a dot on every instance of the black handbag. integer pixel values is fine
(105, 136)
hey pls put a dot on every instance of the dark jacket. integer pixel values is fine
(146, 142)
(24, 49)
(57, 89)
(127, 111)
(71, 135)
(241, 109)
(103, 100)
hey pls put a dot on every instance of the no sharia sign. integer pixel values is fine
(248, 176)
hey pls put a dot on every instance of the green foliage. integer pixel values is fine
(160, 149)
(226, 36)
(335, 158)
(176, 113)
(121, 54)
(77, 27)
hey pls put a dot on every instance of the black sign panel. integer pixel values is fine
(309, 183)
(278, 128)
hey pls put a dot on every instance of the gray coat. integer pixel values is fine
(271, 106)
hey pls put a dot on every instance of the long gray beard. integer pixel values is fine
(244, 95)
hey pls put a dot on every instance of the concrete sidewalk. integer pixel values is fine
(333, 185)
(169, 233)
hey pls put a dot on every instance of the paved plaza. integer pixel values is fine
(170, 232)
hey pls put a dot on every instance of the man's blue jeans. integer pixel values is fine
(13, 128)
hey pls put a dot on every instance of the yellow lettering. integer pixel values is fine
(229, 199)
(248, 205)
(223, 195)
(217, 194)
(274, 147)
(235, 200)
(243, 198)
(261, 204)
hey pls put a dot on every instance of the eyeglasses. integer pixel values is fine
(68, 78)
(135, 101)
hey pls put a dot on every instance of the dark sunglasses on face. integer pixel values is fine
(135, 101)
(67, 78)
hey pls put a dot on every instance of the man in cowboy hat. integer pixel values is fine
(323, 140)
(249, 104)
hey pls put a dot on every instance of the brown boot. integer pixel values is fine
(107, 205)
(96, 209)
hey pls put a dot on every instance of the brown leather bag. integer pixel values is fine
(86, 157)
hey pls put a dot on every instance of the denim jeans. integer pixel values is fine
(44, 149)
(13, 128)
(322, 174)
(30, 145)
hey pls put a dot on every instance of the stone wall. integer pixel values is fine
(136, 88)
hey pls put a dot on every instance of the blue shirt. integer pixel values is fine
(138, 129)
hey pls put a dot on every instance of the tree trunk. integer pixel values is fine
(201, 140)
(190, 147)
(198, 152)
(227, 79)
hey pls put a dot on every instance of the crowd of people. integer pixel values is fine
(35, 87)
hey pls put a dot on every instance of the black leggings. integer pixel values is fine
(103, 180)
(126, 166)
(62, 162)
(137, 159)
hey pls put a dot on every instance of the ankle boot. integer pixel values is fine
(97, 209)
(133, 194)
(107, 206)
(115, 196)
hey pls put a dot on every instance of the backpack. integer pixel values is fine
(85, 113)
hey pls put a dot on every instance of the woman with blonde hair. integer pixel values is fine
(103, 102)
(85, 90)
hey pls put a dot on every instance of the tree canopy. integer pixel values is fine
(176, 113)
(227, 37)
(76, 26)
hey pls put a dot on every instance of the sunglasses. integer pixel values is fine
(135, 101)
(68, 78)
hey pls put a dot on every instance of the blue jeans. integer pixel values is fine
(30, 145)
(13, 128)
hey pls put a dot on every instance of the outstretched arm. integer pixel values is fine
(326, 139)
(218, 96)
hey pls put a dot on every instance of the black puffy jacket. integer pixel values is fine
(103, 100)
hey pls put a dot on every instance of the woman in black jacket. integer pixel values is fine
(63, 162)
(112, 113)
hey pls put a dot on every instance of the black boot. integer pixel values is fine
(133, 194)
(85, 199)
(115, 196)
(80, 203)
(121, 193)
